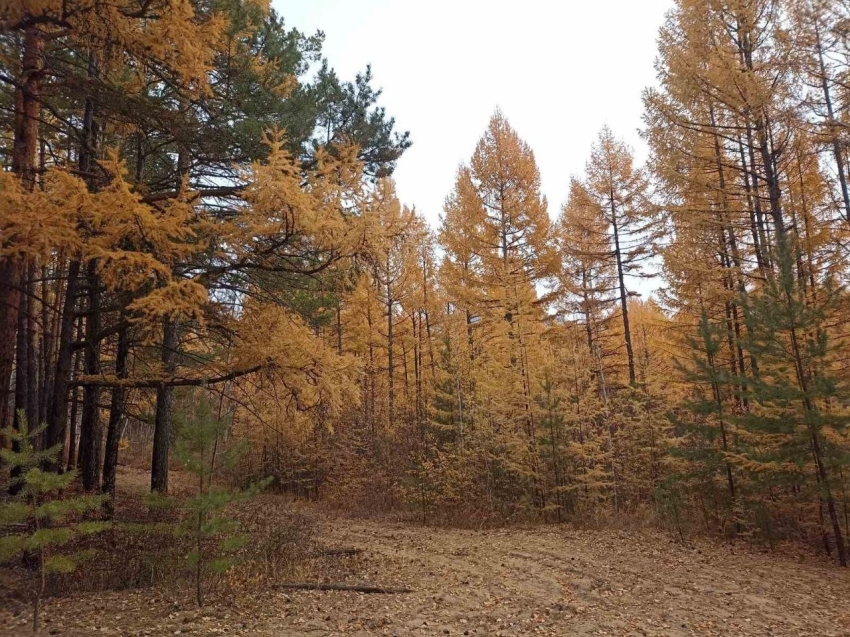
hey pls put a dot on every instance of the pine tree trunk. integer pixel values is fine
(32, 347)
(90, 433)
(164, 401)
(751, 187)
(58, 414)
(9, 305)
(733, 258)
(830, 500)
(116, 418)
(369, 380)
(72, 430)
(417, 364)
(27, 101)
(22, 354)
(554, 443)
(585, 309)
(168, 355)
(73, 451)
(21, 386)
(427, 321)
(774, 191)
(718, 399)
(46, 348)
(59, 409)
(746, 46)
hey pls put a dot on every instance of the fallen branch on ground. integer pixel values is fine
(338, 552)
(355, 588)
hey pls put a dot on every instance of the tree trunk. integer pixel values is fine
(168, 355)
(21, 386)
(59, 408)
(24, 150)
(830, 500)
(90, 431)
(9, 307)
(428, 321)
(390, 361)
(733, 258)
(718, 399)
(116, 418)
(32, 400)
(164, 401)
(75, 404)
(46, 348)
(417, 370)
(58, 414)
(624, 299)
(836, 143)
(761, 245)
(22, 366)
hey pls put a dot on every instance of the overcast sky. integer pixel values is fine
(558, 70)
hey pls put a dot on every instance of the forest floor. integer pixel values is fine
(530, 581)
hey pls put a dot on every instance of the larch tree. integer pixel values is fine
(496, 232)
(621, 192)
(587, 282)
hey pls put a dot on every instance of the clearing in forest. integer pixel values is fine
(542, 581)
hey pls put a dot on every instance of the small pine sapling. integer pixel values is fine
(40, 518)
(552, 430)
(216, 538)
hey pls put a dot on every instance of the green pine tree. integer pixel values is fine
(552, 443)
(704, 426)
(796, 396)
(200, 447)
(41, 516)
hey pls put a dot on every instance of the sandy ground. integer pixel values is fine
(545, 581)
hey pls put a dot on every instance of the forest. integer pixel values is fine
(205, 269)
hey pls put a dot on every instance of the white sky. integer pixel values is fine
(558, 69)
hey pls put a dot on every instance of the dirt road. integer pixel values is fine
(549, 581)
(557, 582)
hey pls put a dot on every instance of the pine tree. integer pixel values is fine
(795, 394)
(706, 428)
(48, 519)
(552, 442)
(204, 452)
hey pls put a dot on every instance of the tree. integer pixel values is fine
(755, 215)
(620, 191)
(794, 394)
(46, 519)
(586, 283)
(205, 453)
(167, 132)
(496, 232)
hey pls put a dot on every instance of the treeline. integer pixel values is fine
(514, 367)
(161, 230)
